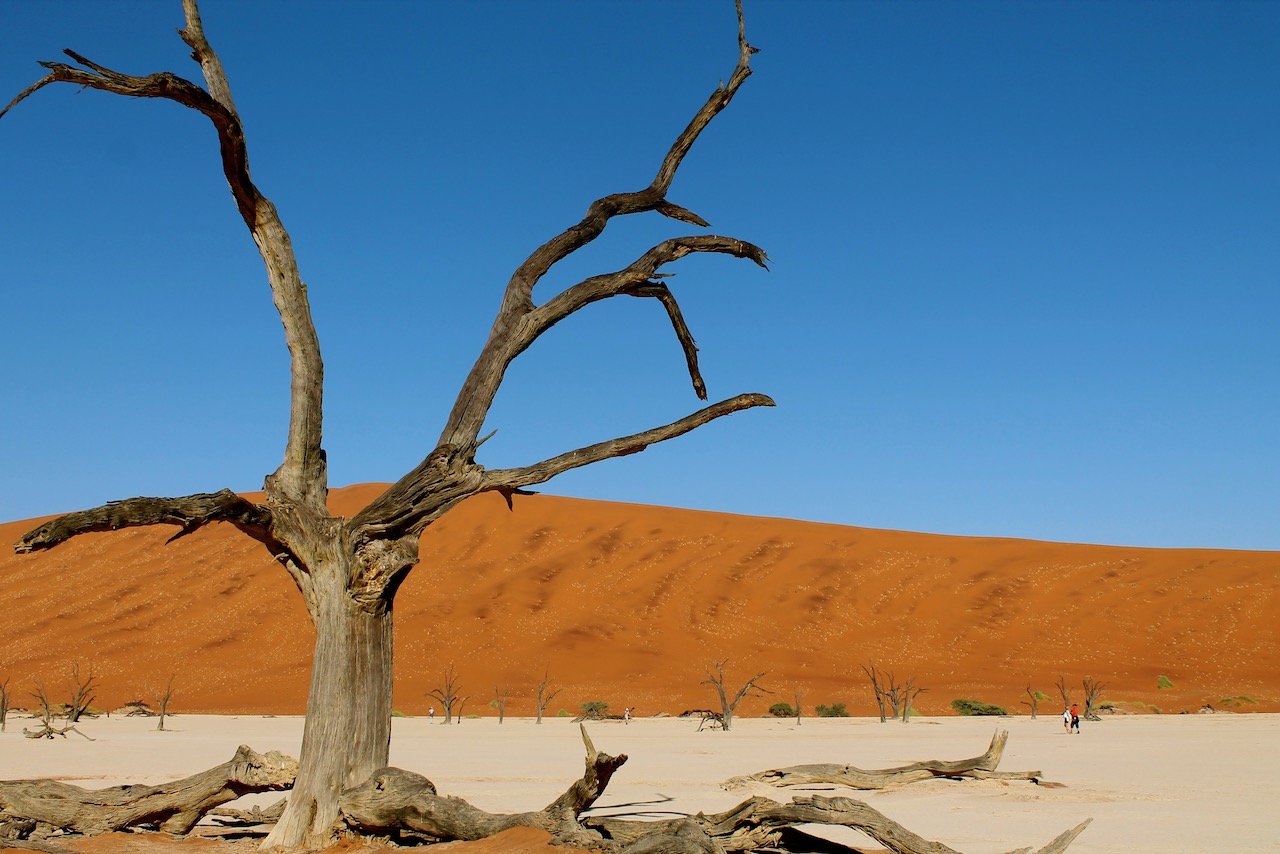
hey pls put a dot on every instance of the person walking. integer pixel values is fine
(1066, 720)
(1075, 718)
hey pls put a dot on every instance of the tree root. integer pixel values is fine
(40, 809)
(979, 768)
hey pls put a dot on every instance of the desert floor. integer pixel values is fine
(1151, 783)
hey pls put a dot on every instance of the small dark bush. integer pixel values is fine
(594, 708)
(782, 710)
(835, 710)
(977, 707)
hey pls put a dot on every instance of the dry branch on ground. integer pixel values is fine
(978, 768)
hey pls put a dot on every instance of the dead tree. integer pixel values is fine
(893, 693)
(47, 728)
(1033, 702)
(1092, 691)
(4, 702)
(715, 678)
(45, 807)
(447, 693)
(462, 701)
(162, 701)
(900, 697)
(909, 694)
(81, 689)
(544, 694)
(799, 694)
(978, 768)
(500, 697)
(882, 695)
(348, 570)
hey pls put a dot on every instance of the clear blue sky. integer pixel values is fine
(1025, 256)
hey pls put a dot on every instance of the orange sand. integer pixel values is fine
(628, 604)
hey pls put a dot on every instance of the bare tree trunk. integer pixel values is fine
(347, 735)
(874, 674)
(4, 702)
(545, 694)
(163, 700)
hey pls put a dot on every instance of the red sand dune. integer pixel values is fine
(628, 604)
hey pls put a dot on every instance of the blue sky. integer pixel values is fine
(1025, 256)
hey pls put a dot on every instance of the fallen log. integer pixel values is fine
(979, 768)
(760, 824)
(39, 809)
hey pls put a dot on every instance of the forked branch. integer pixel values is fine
(510, 335)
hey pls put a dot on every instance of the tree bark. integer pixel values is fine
(347, 735)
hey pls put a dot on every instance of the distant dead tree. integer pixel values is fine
(163, 699)
(545, 694)
(1092, 691)
(1036, 697)
(82, 688)
(462, 701)
(715, 678)
(4, 702)
(878, 685)
(500, 697)
(908, 694)
(447, 693)
(1064, 691)
(798, 692)
(893, 693)
(47, 728)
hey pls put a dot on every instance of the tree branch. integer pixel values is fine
(481, 385)
(188, 513)
(302, 475)
(504, 479)
(637, 280)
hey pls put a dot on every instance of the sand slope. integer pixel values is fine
(628, 604)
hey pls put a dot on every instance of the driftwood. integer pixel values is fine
(979, 768)
(40, 809)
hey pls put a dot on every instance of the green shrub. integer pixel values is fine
(563, 713)
(396, 713)
(1238, 700)
(835, 710)
(1163, 682)
(594, 708)
(977, 707)
(782, 710)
